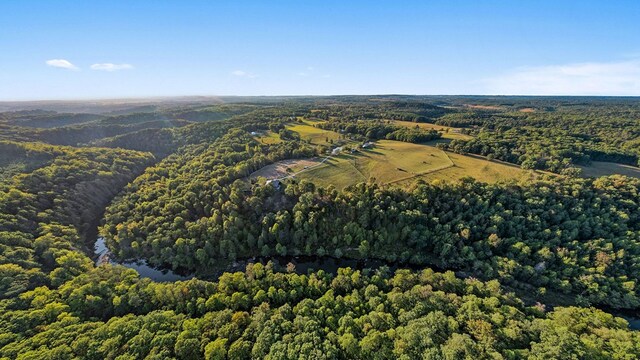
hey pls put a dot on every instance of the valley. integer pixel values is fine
(270, 209)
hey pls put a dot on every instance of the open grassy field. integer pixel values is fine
(447, 131)
(478, 168)
(483, 107)
(401, 164)
(285, 168)
(269, 137)
(337, 171)
(390, 161)
(601, 168)
(313, 134)
(394, 160)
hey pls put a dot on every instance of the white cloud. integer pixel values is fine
(308, 72)
(61, 63)
(595, 78)
(244, 74)
(111, 67)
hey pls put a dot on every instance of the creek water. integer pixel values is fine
(634, 322)
(141, 266)
(302, 264)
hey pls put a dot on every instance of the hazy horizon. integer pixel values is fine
(185, 98)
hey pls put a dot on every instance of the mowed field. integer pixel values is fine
(269, 137)
(478, 168)
(447, 131)
(403, 164)
(601, 168)
(314, 135)
(337, 171)
(389, 161)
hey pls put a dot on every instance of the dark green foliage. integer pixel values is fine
(108, 312)
(571, 236)
(47, 212)
(553, 238)
(48, 119)
(374, 130)
(556, 135)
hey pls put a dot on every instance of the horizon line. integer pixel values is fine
(165, 97)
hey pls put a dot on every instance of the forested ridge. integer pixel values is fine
(109, 312)
(375, 130)
(174, 186)
(576, 236)
(555, 137)
(46, 213)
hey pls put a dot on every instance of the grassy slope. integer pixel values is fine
(269, 137)
(389, 161)
(452, 133)
(600, 168)
(400, 163)
(394, 160)
(338, 171)
(315, 135)
(480, 169)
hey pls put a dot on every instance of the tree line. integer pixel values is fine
(109, 312)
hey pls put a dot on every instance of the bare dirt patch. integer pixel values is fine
(527, 110)
(279, 170)
(483, 107)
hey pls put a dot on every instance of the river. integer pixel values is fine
(302, 265)
(141, 266)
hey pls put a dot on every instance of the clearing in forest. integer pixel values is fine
(483, 107)
(268, 137)
(479, 168)
(447, 132)
(601, 168)
(389, 161)
(314, 135)
(285, 168)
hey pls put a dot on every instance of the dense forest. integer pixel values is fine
(569, 235)
(49, 205)
(554, 137)
(375, 130)
(109, 313)
(507, 270)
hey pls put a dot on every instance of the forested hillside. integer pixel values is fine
(527, 267)
(553, 135)
(569, 235)
(49, 205)
(109, 313)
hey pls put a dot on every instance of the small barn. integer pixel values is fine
(275, 183)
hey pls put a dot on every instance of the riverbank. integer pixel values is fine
(305, 264)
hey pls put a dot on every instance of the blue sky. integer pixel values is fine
(112, 49)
